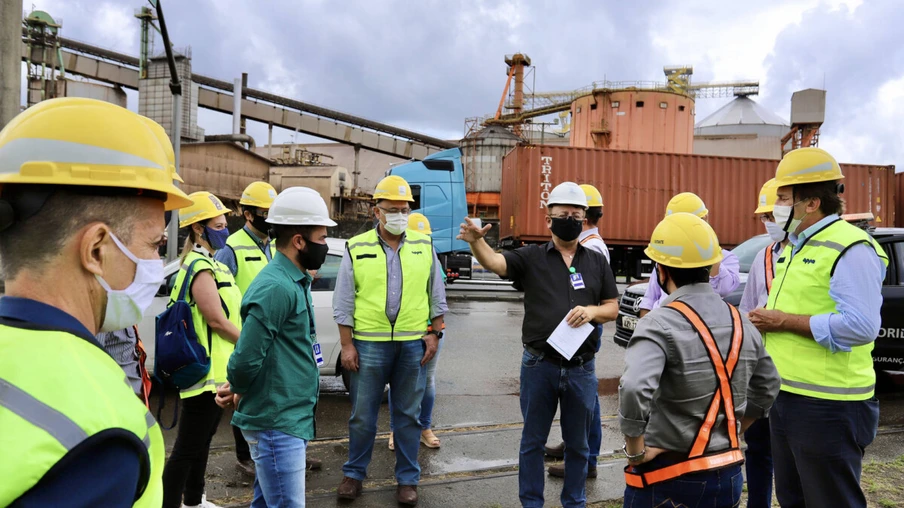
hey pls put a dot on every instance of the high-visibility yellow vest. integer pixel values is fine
(56, 391)
(231, 301)
(801, 286)
(371, 286)
(249, 258)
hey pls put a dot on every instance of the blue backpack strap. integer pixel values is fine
(187, 281)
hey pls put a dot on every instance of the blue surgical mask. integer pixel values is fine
(216, 239)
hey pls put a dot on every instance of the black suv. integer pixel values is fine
(888, 354)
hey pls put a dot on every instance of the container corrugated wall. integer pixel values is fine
(636, 186)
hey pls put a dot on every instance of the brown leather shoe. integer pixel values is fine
(313, 464)
(349, 489)
(558, 470)
(556, 452)
(246, 467)
(406, 495)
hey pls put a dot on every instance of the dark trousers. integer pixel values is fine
(544, 387)
(184, 471)
(242, 452)
(817, 448)
(720, 488)
(759, 464)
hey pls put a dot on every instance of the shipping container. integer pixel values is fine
(899, 199)
(636, 186)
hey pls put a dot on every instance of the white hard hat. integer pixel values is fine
(299, 206)
(567, 193)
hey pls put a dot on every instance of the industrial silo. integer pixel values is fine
(482, 153)
(741, 128)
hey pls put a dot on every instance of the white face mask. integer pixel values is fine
(126, 307)
(396, 223)
(783, 213)
(776, 232)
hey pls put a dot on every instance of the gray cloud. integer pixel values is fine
(854, 54)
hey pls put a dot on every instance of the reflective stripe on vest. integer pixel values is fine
(56, 391)
(369, 264)
(769, 267)
(250, 259)
(231, 302)
(801, 286)
(722, 401)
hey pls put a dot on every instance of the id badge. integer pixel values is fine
(318, 356)
(577, 282)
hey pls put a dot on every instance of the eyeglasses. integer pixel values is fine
(403, 211)
(575, 216)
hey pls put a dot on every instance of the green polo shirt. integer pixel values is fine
(273, 363)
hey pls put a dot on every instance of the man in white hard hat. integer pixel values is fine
(563, 282)
(273, 371)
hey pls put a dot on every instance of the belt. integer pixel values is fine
(576, 360)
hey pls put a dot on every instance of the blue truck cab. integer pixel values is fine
(438, 187)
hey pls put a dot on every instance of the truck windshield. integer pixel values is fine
(749, 249)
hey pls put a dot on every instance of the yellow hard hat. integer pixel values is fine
(163, 138)
(393, 188)
(259, 194)
(807, 165)
(419, 223)
(594, 198)
(87, 142)
(686, 202)
(204, 206)
(683, 240)
(768, 196)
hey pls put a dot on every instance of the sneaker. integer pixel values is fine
(204, 504)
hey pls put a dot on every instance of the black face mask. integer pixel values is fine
(313, 255)
(260, 223)
(567, 229)
(664, 282)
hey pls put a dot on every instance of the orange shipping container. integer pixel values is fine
(636, 186)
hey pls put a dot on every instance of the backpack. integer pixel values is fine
(179, 358)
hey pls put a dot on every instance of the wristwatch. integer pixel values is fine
(633, 458)
(439, 334)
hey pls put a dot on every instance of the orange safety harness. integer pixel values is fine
(591, 237)
(145, 375)
(722, 400)
(770, 268)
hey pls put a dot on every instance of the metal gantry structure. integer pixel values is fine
(678, 80)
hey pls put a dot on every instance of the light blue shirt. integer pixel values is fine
(227, 256)
(856, 288)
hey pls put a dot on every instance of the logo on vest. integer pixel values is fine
(417, 252)
(808, 261)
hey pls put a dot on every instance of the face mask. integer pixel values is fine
(260, 224)
(783, 217)
(126, 307)
(567, 229)
(313, 255)
(216, 239)
(396, 223)
(663, 284)
(776, 232)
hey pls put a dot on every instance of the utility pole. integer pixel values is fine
(10, 59)
(176, 137)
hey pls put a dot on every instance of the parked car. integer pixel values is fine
(888, 354)
(321, 291)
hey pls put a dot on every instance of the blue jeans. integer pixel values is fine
(818, 446)
(759, 464)
(544, 386)
(399, 364)
(720, 488)
(280, 463)
(425, 419)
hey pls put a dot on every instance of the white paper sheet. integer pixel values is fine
(566, 340)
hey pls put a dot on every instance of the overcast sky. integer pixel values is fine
(427, 65)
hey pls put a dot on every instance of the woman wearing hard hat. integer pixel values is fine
(419, 222)
(215, 300)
